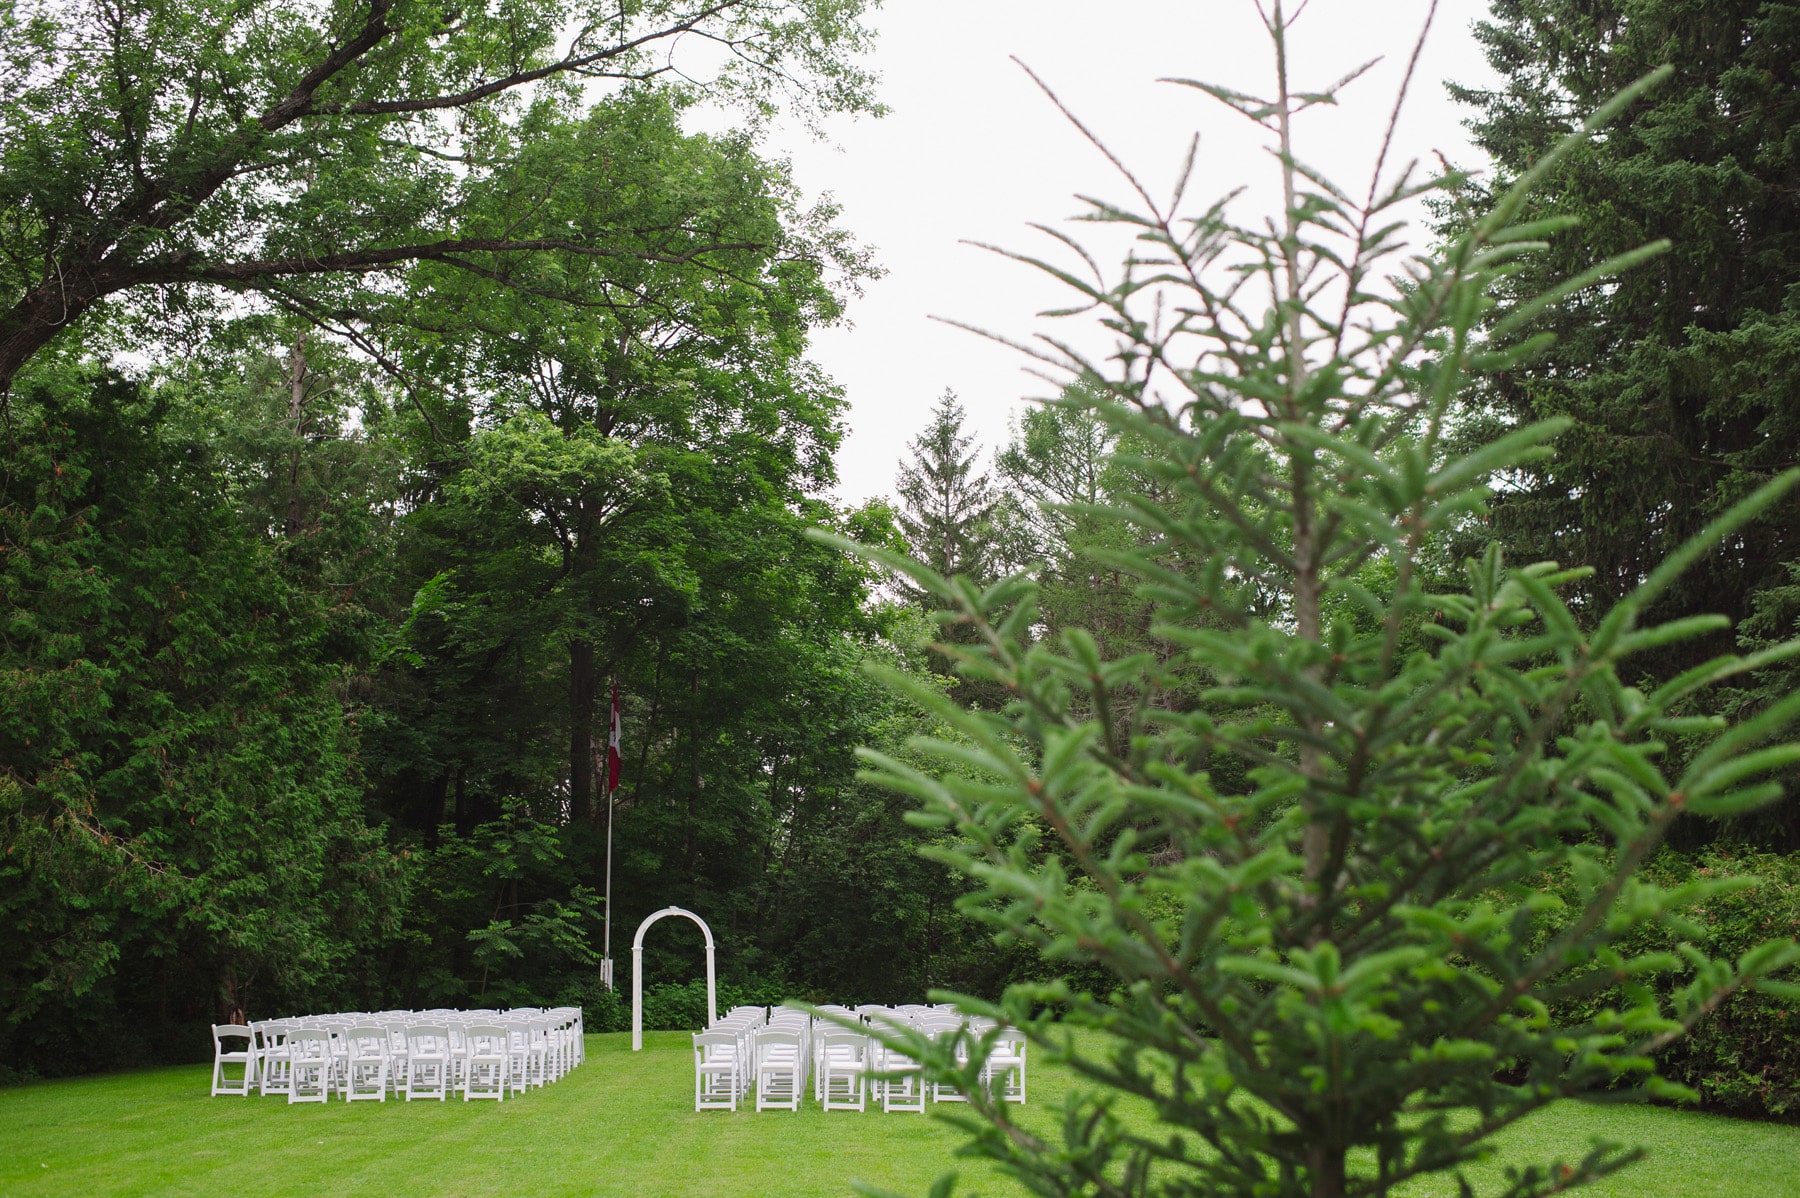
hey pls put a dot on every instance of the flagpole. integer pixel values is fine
(612, 726)
(606, 951)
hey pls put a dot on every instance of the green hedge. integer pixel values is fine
(668, 1007)
(1745, 1058)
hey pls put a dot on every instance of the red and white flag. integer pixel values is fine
(613, 759)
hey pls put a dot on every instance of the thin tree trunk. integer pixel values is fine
(440, 801)
(1325, 1163)
(297, 424)
(583, 686)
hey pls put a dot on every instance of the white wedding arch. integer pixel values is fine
(637, 973)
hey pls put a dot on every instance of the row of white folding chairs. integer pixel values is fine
(416, 1054)
(769, 1052)
(903, 1087)
(752, 1048)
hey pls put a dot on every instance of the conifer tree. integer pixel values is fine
(1681, 380)
(946, 508)
(1318, 884)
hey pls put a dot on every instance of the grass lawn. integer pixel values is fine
(623, 1125)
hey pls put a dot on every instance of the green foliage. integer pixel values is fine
(313, 154)
(1745, 1058)
(517, 407)
(1314, 883)
(1679, 379)
(178, 782)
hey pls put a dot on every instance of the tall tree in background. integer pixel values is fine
(181, 806)
(946, 509)
(1062, 466)
(609, 434)
(308, 150)
(1682, 379)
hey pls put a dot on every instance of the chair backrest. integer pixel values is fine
(309, 1043)
(715, 1043)
(425, 1038)
(232, 1031)
(771, 1037)
(366, 1041)
(837, 1043)
(485, 1039)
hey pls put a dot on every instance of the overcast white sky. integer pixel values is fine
(974, 152)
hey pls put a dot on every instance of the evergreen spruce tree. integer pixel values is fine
(946, 508)
(1319, 885)
(1681, 380)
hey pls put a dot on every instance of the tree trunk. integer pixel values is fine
(297, 425)
(439, 804)
(1325, 1164)
(583, 686)
(235, 994)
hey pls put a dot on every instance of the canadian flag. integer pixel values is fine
(613, 759)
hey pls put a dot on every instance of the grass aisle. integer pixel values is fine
(622, 1126)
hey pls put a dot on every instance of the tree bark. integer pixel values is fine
(1325, 1164)
(297, 423)
(583, 687)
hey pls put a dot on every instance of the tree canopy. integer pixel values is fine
(312, 153)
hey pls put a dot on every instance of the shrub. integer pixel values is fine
(1745, 1058)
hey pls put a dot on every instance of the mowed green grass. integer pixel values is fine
(623, 1125)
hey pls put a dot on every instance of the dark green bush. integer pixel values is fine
(1745, 1058)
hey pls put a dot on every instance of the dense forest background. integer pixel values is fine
(369, 420)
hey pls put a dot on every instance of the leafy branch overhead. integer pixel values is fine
(1309, 834)
(152, 144)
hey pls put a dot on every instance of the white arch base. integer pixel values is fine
(637, 974)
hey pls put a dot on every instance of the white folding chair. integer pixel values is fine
(942, 1029)
(245, 1057)
(780, 1068)
(310, 1065)
(367, 1064)
(1007, 1064)
(718, 1065)
(485, 1057)
(843, 1070)
(397, 1055)
(902, 1080)
(428, 1068)
(274, 1074)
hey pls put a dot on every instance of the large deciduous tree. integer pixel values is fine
(216, 148)
(609, 431)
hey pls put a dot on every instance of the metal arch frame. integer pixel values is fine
(637, 973)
